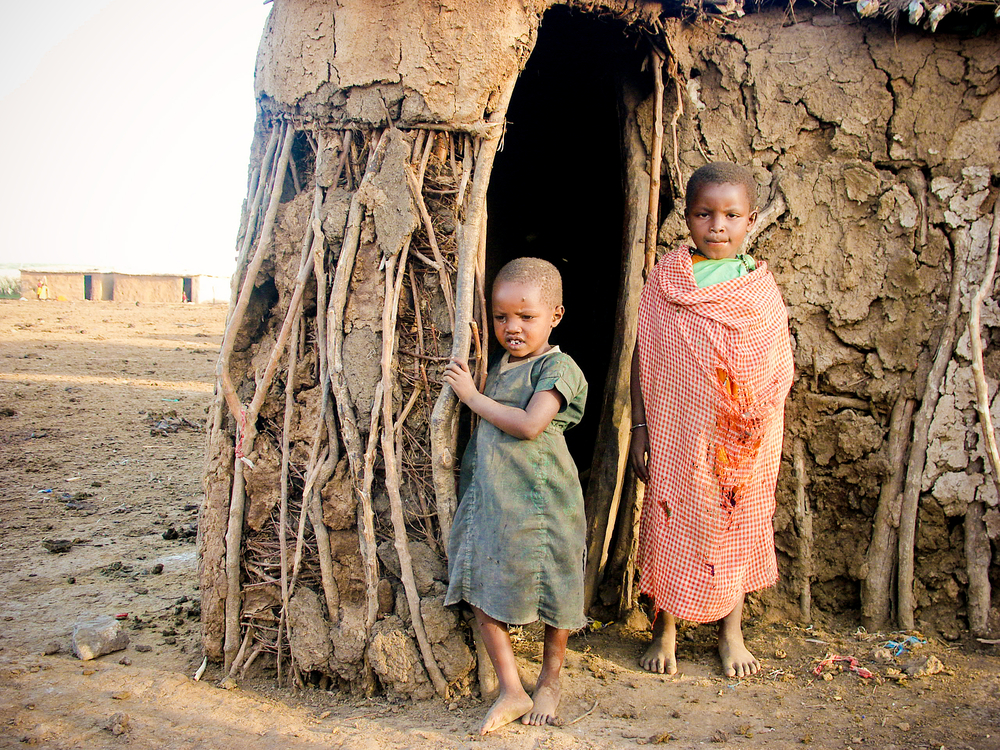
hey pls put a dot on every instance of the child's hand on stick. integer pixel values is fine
(638, 452)
(459, 377)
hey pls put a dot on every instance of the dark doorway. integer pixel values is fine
(556, 191)
(188, 286)
(88, 286)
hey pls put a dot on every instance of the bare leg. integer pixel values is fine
(547, 690)
(661, 656)
(737, 661)
(513, 702)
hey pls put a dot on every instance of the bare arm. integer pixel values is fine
(525, 424)
(638, 451)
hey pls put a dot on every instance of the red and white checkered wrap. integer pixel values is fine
(715, 367)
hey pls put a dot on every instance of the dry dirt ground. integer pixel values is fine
(97, 447)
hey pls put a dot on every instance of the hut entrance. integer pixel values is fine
(556, 191)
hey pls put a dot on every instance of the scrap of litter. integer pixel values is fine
(852, 664)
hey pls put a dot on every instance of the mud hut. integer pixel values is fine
(404, 151)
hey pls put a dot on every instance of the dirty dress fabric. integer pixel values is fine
(517, 542)
(715, 368)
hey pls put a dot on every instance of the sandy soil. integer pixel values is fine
(90, 397)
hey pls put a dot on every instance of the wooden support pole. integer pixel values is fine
(804, 527)
(876, 583)
(977, 543)
(921, 427)
(976, 340)
(656, 59)
(393, 480)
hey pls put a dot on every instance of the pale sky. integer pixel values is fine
(125, 130)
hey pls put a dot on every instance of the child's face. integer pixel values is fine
(522, 321)
(719, 219)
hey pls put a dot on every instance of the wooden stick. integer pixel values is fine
(313, 501)
(921, 427)
(249, 280)
(444, 416)
(418, 199)
(318, 253)
(652, 214)
(428, 147)
(977, 543)
(976, 340)
(876, 582)
(977, 566)
(360, 467)
(366, 514)
(264, 179)
(804, 526)
(418, 144)
(253, 657)
(481, 337)
(393, 284)
(466, 173)
(238, 659)
(283, 501)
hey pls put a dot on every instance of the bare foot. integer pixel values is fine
(661, 656)
(737, 661)
(506, 709)
(543, 709)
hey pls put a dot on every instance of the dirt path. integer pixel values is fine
(100, 445)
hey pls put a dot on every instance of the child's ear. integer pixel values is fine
(753, 218)
(557, 313)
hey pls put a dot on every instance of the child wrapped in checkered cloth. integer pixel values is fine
(714, 368)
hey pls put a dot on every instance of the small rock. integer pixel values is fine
(57, 546)
(780, 654)
(903, 725)
(118, 724)
(141, 590)
(102, 635)
(125, 661)
(720, 736)
(52, 647)
(170, 533)
(142, 648)
(827, 676)
(156, 569)
(71, 580)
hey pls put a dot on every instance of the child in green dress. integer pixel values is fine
(516, 552)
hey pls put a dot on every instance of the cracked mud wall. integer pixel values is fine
(886, 149)
(340, 61)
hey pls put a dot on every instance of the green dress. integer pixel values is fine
(517, 543)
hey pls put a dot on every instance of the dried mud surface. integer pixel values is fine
(83, 389)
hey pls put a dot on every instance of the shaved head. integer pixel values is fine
(534, 272)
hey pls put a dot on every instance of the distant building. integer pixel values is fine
(97, 284)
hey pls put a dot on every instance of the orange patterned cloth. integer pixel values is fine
(715, 368)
